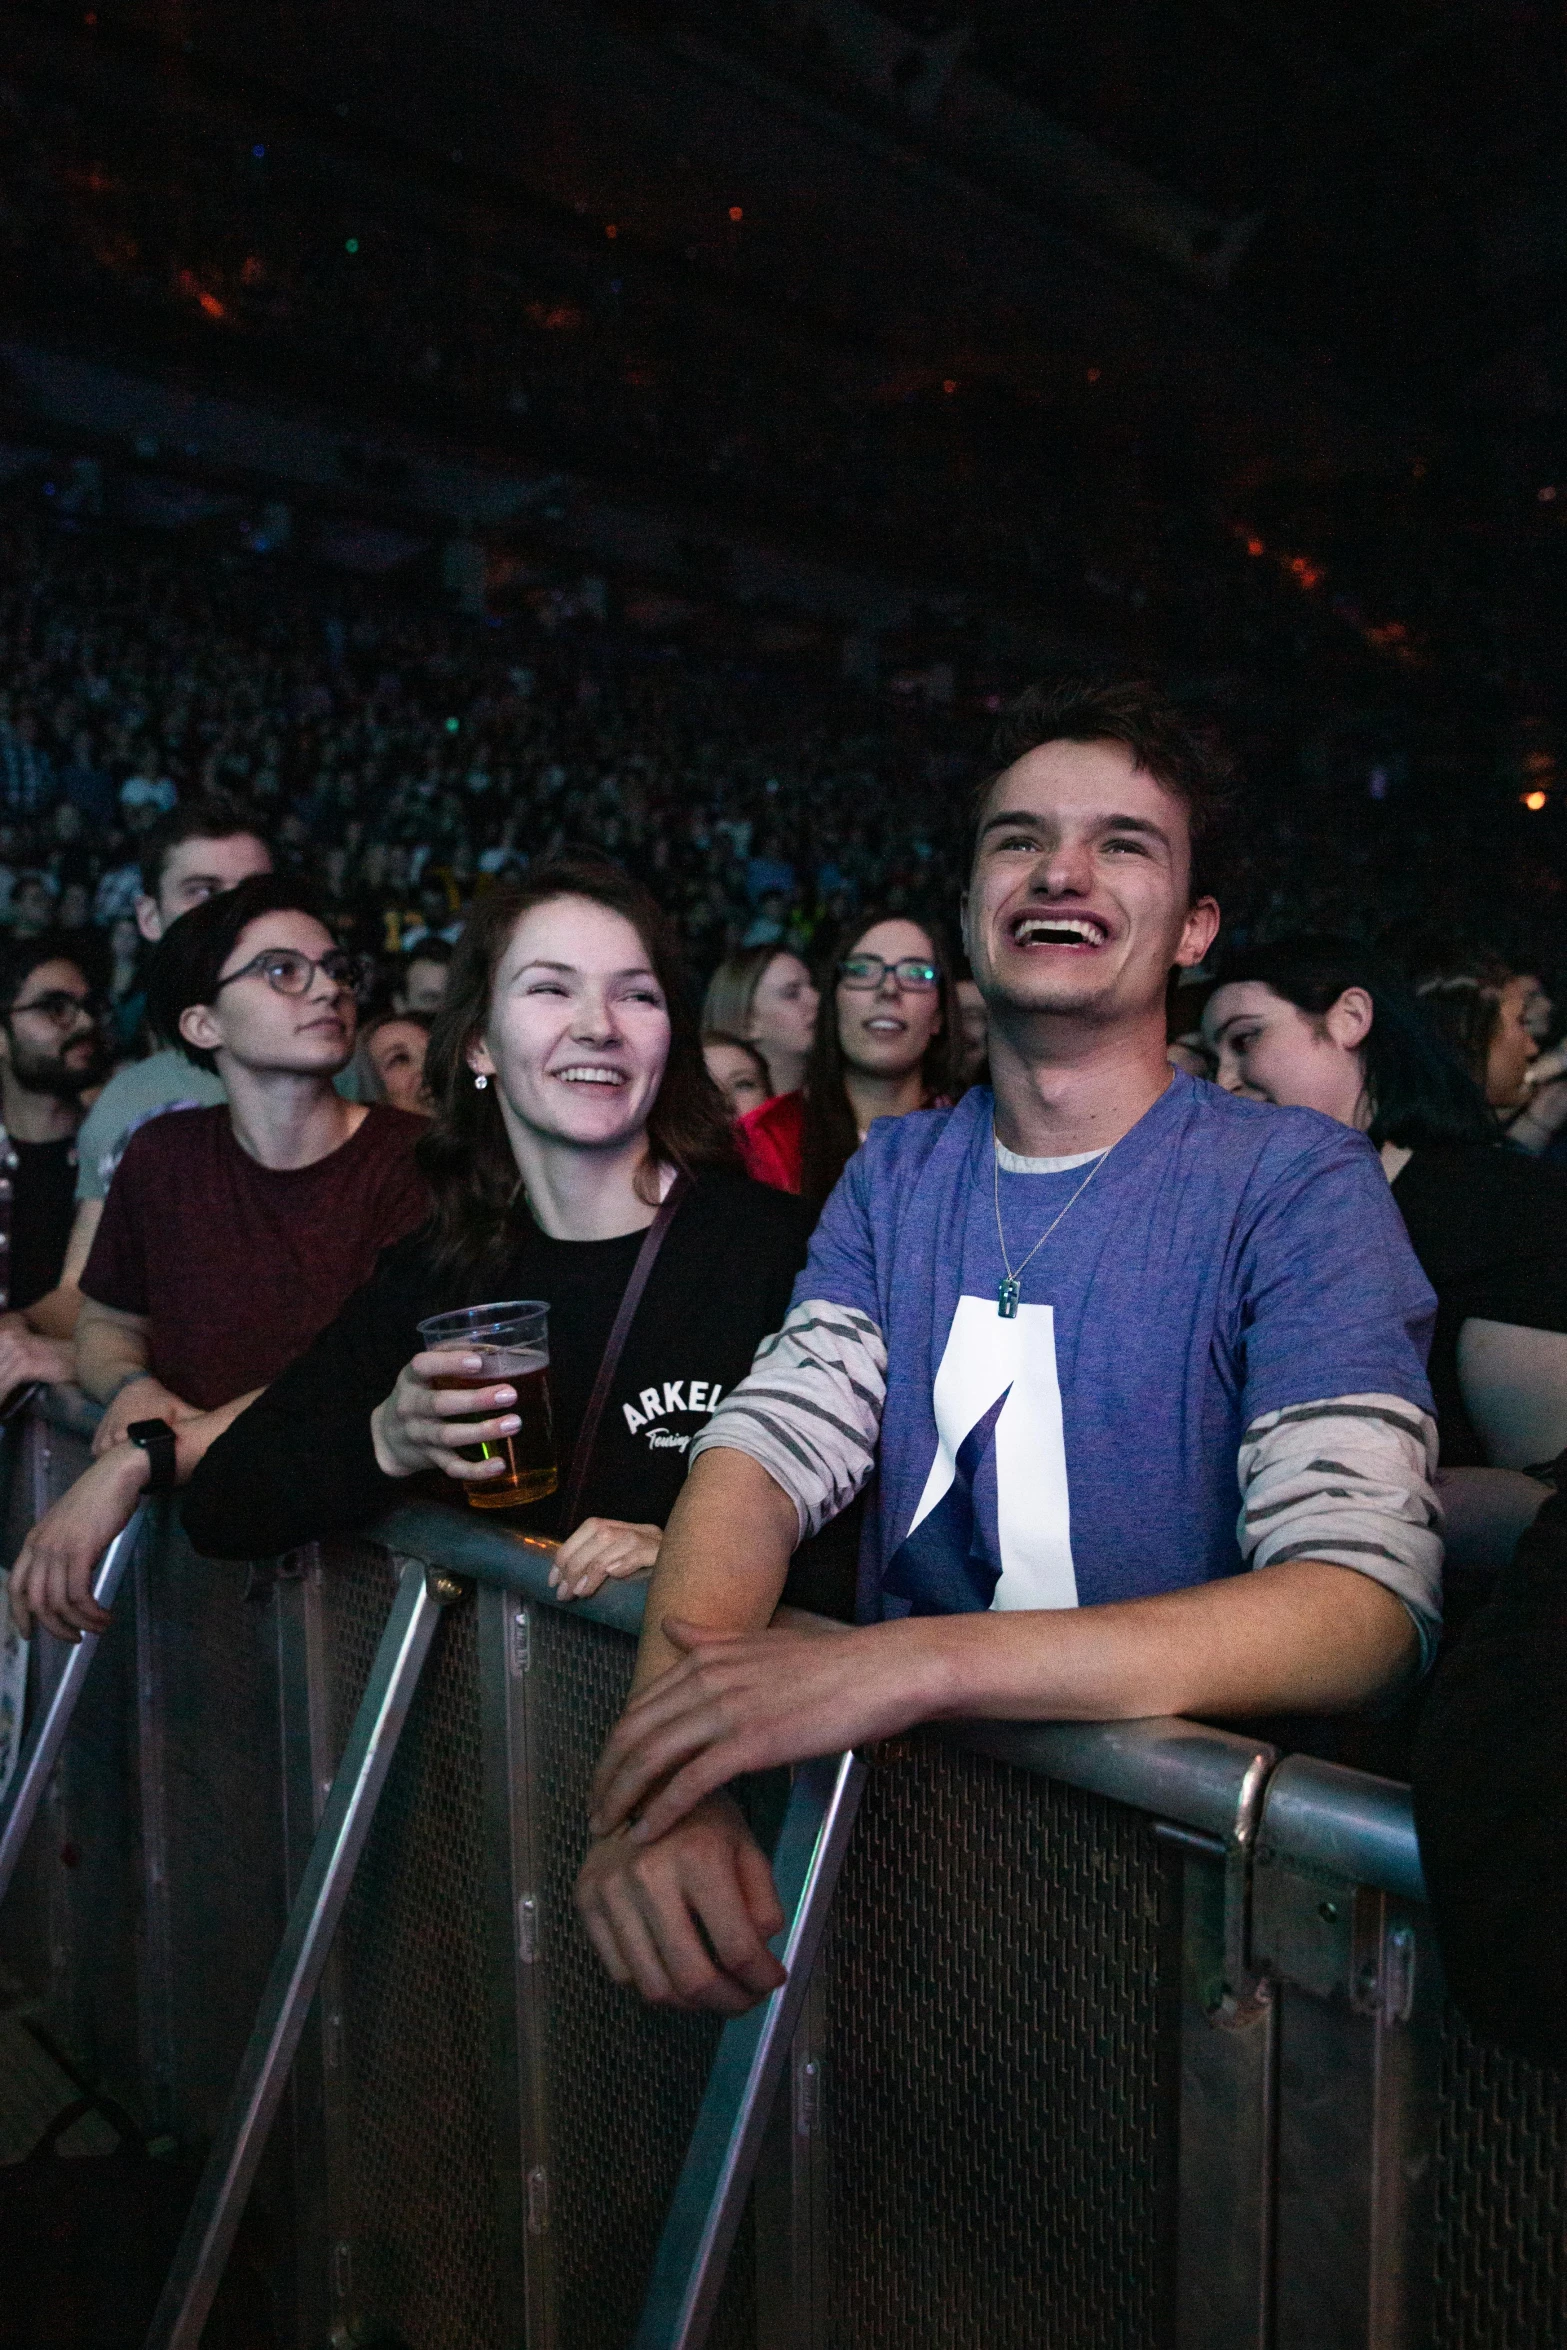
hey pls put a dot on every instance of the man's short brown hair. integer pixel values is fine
(1182, 753)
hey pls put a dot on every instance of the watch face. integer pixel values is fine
(156, 1439)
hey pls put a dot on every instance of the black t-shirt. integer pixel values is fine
(42, 1208)
(1490, 1229)
(300, 1462)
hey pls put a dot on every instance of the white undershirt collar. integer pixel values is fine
(1013, 1162)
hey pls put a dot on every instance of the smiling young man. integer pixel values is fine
(231, 1235)
(1108, 1336)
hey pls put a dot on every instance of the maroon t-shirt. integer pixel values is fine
(237, 1266)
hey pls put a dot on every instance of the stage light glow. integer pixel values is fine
(735, 214)
(610, 230)
(452, 725)
(1547, 496)
(1534, 801)
(1093, 375)
(258, 152)
(949, 386)
(350, 244)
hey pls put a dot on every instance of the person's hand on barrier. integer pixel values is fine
(747, 1702)
(686, 1919)
(139, 1399)
(51, 1581)
(602, 1548)
(25, 1356)
(412, 1429)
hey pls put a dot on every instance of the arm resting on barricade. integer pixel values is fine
(52, 1577)
(719, 1694)
(112, 1357)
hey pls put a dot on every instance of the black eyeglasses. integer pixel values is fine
(60, 1006)
(288, 972)
(868, 971)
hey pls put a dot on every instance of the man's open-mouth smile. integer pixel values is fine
(1043, 927)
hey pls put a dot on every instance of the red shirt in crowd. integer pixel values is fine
(772, 1142)
(237, 1266)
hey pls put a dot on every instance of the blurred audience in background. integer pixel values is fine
(389, 1062)
(766, 996)
(52, 1053)
(737, 1069)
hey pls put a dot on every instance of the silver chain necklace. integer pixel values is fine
(1007, 1286)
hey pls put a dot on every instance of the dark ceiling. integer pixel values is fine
(1398, 166)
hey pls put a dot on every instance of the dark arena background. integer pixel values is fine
(464, 434)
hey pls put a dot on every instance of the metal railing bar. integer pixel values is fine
(693, 2252)
(263, 2075)
(1179, 1770)
(47, 1736)
(1359, 1827)
(453, 1539)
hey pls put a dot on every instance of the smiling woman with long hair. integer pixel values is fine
(578, 1148)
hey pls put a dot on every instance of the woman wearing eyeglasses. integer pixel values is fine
(231, 1235)
(886, 1045)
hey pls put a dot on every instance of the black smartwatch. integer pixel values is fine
(156, 1439)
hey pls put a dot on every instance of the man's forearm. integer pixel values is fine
(724, 1557)
(1304, 1637)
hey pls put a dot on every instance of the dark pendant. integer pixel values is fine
(1006, 1298)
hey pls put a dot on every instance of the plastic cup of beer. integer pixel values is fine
(512, 1343)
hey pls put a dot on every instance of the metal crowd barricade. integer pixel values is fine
(1119, 2035)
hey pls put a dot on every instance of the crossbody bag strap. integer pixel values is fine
(614, 1347)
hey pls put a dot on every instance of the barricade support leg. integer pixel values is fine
(688, 2272)
(346, 1822)
(42, 1750)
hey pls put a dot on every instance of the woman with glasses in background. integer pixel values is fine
(231, 1235)
(887, 1043)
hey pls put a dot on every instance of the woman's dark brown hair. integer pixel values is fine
(466, 1157)
(1463, 1003)
(831, 1133)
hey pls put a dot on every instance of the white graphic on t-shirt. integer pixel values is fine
(985, 1356)
(674, 1395)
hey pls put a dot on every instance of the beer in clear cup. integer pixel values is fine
(512, 1343)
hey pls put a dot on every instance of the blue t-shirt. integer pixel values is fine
(1227, 1260)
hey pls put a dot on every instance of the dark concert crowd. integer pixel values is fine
(922, 1015)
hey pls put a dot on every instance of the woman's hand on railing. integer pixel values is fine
(412, 1429)
(52, 1579)
(600, 1549)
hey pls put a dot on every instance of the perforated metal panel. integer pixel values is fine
(625, 2082)
(420, 2203)
(1501, 2201)
(996, 2076)
(68, 1928)
(213, 1758)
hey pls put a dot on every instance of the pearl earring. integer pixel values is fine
(479, 1084)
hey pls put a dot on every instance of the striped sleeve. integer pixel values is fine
(1350, 1480)
(809, 1410)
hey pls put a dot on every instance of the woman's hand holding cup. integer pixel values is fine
(425, 1425)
